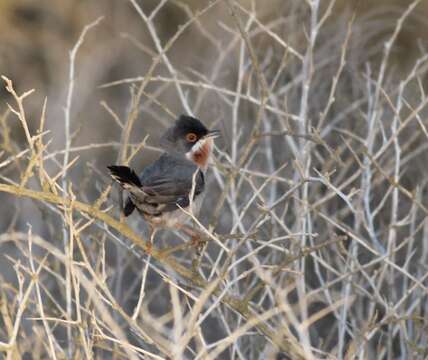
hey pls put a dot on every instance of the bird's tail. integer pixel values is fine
(129, 207)
(125, 176)
(128, 179)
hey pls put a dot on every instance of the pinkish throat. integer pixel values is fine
(201, 155)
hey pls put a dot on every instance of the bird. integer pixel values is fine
(175, 181)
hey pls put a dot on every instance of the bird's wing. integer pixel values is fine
(172, 182)
(162, 186)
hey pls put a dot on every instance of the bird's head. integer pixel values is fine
(188, 136)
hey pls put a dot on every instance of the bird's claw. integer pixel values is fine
(149, 249)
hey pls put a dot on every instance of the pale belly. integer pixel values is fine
(180, 216)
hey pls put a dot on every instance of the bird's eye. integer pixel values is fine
(191, 137)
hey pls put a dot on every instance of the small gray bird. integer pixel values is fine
(166, 185)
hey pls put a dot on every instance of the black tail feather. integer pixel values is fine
(128, 179)
(129, 207)
(124, 175)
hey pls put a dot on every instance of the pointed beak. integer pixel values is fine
(213, 134)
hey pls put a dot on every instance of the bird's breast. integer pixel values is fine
(201, 155)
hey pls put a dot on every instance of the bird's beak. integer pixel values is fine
(212, 134)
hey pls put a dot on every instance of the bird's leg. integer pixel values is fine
(152, 233)
(195, 237)
(197, 256)
(196, 242)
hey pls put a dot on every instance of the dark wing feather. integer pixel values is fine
(169, 181)
(163, 186)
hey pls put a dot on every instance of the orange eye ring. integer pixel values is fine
(191, 137)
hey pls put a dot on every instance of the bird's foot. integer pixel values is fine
(149, 248)
(194, 240)
(198, 244)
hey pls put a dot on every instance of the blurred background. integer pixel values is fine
(210, 59)
(36, 37)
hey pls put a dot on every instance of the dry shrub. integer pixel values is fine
(314, 220)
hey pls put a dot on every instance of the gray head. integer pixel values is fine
(189, 137)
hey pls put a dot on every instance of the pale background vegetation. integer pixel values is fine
(315, 218)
